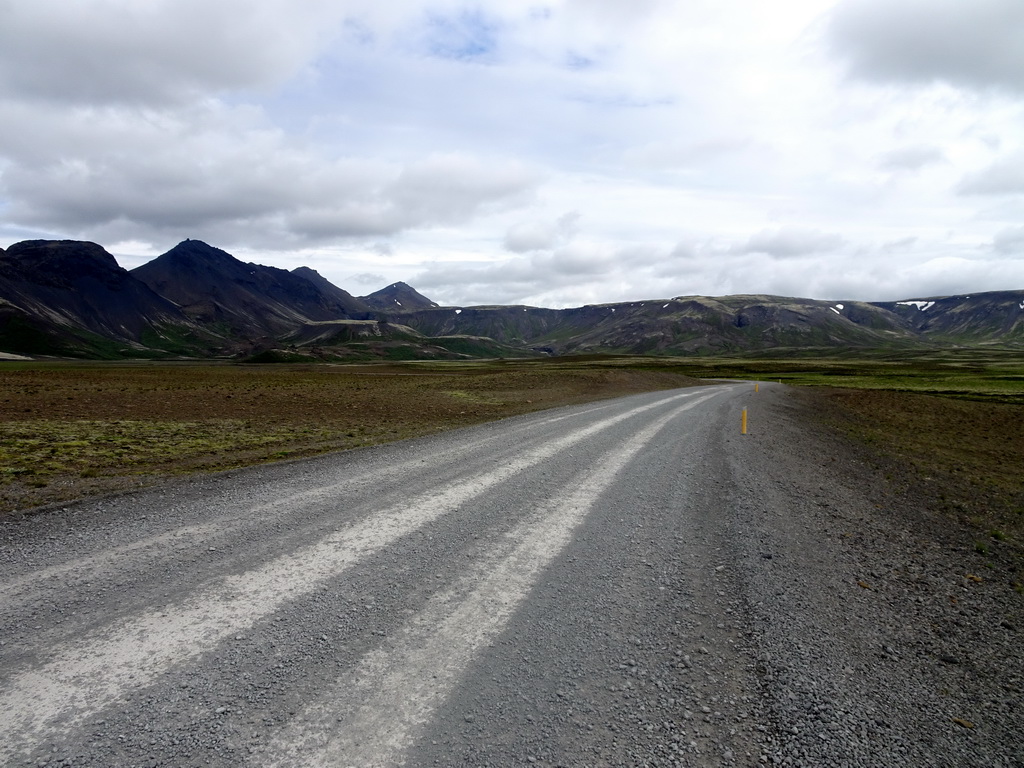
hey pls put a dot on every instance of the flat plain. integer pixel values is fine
(946, 425)
(73, 429)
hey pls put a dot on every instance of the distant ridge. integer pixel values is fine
(71, 299)
(398, 297)
(978, 317)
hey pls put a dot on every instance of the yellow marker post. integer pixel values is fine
(743, 422)
(757, 386)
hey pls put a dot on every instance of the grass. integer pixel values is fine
(71, 429)
(993, 375)
(42, 448)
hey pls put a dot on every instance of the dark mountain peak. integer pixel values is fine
(311, 274)
(74, 255)
(317, 279)
(213, 287)
(196, 252)
(191, 269)
(61, 263)
(400, 297)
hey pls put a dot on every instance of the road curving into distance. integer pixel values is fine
(595, 585)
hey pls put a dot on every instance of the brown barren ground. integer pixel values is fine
(961, 458)
(70, 430)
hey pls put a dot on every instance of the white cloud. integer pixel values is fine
(1010, 241)
(212, 172)
(910, 158)
(154, 51)
(977, 44)
(574, 261)
(675, 153)
(452, 187)
(540, 235)
(1006, 176)
(789, 242)
(369, 278)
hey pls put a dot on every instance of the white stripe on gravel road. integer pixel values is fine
(96, 670)
(26, 587)
(372, 714)
(328, 492)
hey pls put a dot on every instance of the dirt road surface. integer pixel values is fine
(625, 583)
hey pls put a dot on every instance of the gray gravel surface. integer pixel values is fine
(623, 583)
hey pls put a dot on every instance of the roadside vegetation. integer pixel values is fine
(986, 376)
(72, 429)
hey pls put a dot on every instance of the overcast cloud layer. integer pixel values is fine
(554, 154)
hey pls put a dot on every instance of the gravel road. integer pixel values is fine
(624, 583)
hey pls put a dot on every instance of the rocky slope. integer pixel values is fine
(354, 308)
(976, 318)
(683, 325)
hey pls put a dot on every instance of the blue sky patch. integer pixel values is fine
(466, 35)
(575, 60)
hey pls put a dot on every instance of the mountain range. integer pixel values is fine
(67, 298)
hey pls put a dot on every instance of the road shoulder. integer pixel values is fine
(880, 633)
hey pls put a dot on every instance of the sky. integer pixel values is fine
(552, 153)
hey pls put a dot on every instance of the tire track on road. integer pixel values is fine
(371, 715)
